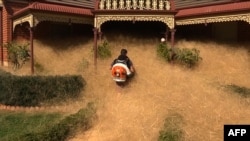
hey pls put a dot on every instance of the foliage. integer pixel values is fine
(103, 50)
(172, 129)
(188, 57)
(184, 56)
(17, 54)
(164, 51)
(45, 127)
(83, 65)
(16, 124)
(66, 127)
(34, 90)
(2, 72)
(243, 91)
(38, 67)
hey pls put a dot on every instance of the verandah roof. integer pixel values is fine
(54, 8)
(215, 9)
(37, 12)
(239, 11)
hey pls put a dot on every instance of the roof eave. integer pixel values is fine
(27, 11)
(36, 6)
(211, 13)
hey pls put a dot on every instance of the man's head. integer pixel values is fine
(124, 51)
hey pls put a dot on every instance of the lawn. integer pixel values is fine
(14, 124)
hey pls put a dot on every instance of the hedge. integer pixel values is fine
(33, 90)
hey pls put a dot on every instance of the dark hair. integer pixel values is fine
(123, 51)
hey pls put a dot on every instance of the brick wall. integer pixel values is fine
(7, 12)
(6, 33)
(1, 35)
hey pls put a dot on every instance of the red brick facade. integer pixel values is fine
(7, 34)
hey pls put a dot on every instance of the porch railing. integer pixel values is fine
(134, 5)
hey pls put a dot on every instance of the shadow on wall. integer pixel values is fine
(231, 34)
(63, 35)
(137, 29)
(226, 32)
(21, 32)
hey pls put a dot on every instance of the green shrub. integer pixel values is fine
(242, 91)
(34, 90)
(17, 54)
(188, 57)
(2, 73)
(172, 129)
(164, 51)
(103, 50)
(184, 56)
(60, 130)
(38, 67)
(66, 127)
(84, 64)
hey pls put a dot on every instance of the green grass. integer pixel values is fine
(172, 130)
(15, 124)
(242, 91)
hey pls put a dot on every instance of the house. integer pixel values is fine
(218, 19)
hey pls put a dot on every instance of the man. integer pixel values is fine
(123, 58)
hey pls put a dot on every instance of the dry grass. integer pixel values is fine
(137, 111)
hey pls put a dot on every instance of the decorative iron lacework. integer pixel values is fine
(214, 19)
(27, 18)
(134, 5)
(167, 19)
